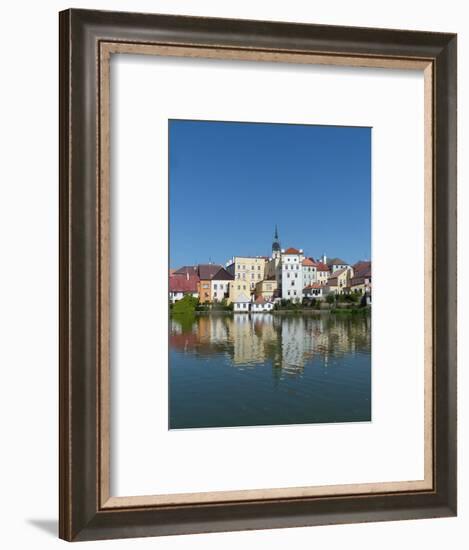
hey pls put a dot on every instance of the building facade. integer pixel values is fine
(266, 288)
(237, 288)
(309, 271)
(220, 285)
(292, 274)
(249, 269)
(206, 273)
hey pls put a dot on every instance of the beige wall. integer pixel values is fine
(237, 288)
(250, 270)
(265, 288)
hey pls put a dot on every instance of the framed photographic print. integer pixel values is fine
(257, 275)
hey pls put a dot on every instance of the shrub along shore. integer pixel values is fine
(341, 305)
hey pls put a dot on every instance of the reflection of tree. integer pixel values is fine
(286, 342)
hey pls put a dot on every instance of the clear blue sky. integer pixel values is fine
(230, 183)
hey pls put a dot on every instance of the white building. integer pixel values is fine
(335, 264)
(220, 285)
(292, 274)
(241, 304)
(309, 271)
(261, 305)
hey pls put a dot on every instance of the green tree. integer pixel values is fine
(185, 306)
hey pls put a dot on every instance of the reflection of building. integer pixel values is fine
(247, 345)
(286, 343)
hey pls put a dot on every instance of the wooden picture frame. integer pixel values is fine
(87, 39)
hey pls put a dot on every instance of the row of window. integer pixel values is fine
(243, 276)
(242, 266)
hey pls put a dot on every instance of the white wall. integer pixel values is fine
(28, 218)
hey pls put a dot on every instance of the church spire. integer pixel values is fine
(276, 243)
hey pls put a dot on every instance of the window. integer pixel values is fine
(252, 275)
(239, 287)
(293, 283)
(252, 267)
(296, 275)
(288, 275)
(294, 292)
(288, 293)
(215, 286)
(258, 268)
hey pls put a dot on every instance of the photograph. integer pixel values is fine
(270, 274)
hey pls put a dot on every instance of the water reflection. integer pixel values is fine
(264, 369)
(289, 341)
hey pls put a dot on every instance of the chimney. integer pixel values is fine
(187, 275)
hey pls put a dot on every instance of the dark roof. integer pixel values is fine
(223, 275)
(338, 272)
(336, 261)
(191, 269)
(207, 271)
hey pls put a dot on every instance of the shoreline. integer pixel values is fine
(307, 311)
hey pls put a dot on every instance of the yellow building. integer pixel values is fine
(249, 269)
(266, 288)
(340, 280)
(238, 288)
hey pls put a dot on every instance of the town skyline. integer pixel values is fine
(228, 257)
(231, 183)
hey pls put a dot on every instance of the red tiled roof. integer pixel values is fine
(292, 251)
(362, 269)
(182, 283)
(322, 267)
(307, 261)
(314, 285)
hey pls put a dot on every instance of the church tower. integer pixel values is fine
(276, 249)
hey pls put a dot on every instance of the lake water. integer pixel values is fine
(265, 369)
